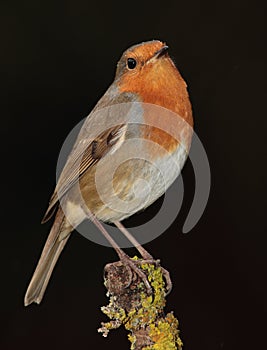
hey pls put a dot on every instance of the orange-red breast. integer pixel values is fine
(145, 77)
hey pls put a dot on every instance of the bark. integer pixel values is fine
(141, 314)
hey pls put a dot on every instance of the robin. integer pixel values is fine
(111, 153)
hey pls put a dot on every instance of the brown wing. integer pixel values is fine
(80, 162)
(83, 157)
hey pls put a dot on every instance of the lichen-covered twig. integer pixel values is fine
(141, 314)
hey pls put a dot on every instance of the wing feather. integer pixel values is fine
(87, 151)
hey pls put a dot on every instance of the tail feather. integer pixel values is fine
(50, 254)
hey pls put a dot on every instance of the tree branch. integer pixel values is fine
(141, 314)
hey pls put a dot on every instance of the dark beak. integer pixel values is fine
(161, 52)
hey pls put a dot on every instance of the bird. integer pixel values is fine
(146, 91)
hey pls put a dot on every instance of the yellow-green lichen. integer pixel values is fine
(165, 334)
(146, 319)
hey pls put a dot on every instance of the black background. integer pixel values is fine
(57, 59)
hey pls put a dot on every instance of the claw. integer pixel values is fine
(168, 280)
(132, 265)
(165, 272)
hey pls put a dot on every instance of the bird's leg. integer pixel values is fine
(125, 259)
(145, 255)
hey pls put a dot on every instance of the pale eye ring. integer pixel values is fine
(131, 63)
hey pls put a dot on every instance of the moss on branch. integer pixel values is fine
(141, 314)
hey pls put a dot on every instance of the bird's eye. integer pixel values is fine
(131, 63)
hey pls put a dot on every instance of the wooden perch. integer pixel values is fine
(141, 314)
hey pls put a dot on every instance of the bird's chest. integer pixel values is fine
(136, 173)
(127, 182)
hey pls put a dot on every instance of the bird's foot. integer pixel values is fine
(134, 266)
